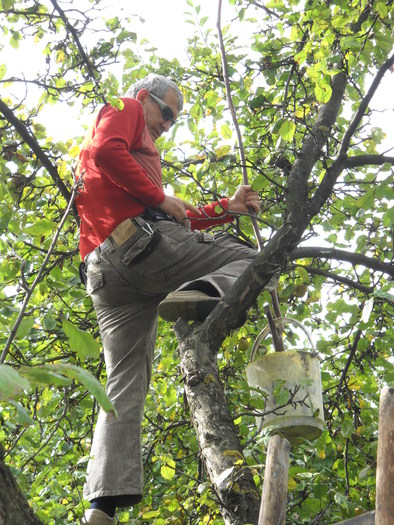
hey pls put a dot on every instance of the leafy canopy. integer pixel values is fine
(282, 57)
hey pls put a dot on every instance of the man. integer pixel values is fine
(138, 247)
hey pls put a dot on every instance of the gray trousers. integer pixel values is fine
(126, 284)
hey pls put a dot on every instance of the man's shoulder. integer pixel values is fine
(125, 109)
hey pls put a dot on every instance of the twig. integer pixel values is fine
(79, 46)
(349, 361)
(30, 290)
(256, 230)
(234, 118)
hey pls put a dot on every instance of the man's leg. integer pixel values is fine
(127, 324)
(115, 467)
(211, 275)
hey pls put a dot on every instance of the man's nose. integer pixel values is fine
(166, 125)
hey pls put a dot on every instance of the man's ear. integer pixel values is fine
(142, 95)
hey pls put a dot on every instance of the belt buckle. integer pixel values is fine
(144, 225)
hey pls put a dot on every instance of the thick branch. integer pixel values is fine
(342, 255)
(310, 152)
(14, 509)
(367, 160)
(32, 142)
(342, 161)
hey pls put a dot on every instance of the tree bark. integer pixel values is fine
(198, 346)
(274, 497)
(14, 508)
(217, 435)
(385, 465)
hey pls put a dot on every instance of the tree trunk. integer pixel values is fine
(217, 435)
(14, 509)
(385, 466)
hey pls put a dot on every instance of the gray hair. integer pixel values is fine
(157, 85)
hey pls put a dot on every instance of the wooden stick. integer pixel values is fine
(276, 336)
(385, 463)
(274, 497)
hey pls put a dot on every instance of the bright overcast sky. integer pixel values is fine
(166, 29)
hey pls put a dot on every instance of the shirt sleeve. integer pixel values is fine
(212, 214)
(117, 132)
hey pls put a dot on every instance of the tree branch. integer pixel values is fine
(310, 152)
(81, 50)
(339, 279)
(342, 255)
(30, 139)
(342, 161)
(367, 160)
(217, 435)
(235, 122)
(364, 106)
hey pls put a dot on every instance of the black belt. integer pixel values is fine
(154, 214)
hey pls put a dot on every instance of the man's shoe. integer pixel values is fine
(97, 517)
(190, 305)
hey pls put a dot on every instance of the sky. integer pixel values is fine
(166, 29)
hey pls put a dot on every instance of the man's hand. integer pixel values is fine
(243, 199)
(177, 208)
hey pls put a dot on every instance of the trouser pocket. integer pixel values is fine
(141, 243)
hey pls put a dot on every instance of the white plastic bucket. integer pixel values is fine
(298, 371)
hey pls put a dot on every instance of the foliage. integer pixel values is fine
(282, 56)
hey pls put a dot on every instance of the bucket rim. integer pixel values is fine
(286, 320)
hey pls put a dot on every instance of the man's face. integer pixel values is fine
(155, 121)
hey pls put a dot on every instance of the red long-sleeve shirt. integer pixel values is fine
(121, 173)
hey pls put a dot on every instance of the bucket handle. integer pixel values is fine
(278, 321)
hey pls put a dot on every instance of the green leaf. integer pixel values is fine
(3, 70)
(363, 474)
(287, 130)
(24, 327)
(388, 218)
(151, 514)
(23, 417)
(81, 342)
(257, 102)
(323, 92)
(40, 228)
(43, 376)
(225, 131)
(12, 383)
(259, 183)
(167, 470)
(347, 428)
(49, 322)
(381, 8)
(88, 381)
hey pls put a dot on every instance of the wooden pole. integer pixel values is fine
(385, 462)
(274, 496)
(276, 334)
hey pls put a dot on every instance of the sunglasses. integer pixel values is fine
(166, 111)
